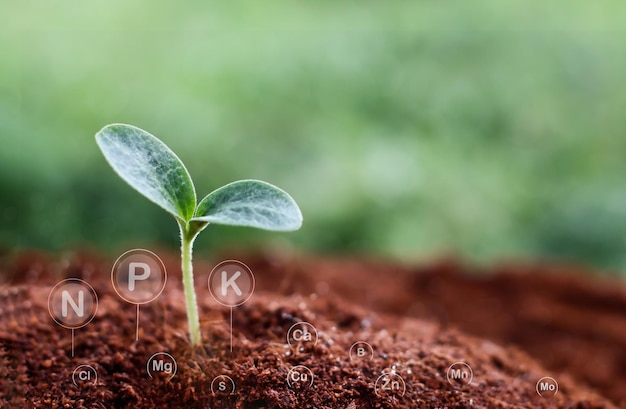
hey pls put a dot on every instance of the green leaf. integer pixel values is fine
(149, 166)
(251, 203)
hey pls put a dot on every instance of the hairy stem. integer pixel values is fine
(187, 238)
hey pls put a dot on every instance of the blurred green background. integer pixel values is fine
(406, 130)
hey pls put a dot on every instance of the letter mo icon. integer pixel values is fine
(547, 387)
(231, 283)
(72, 303)
(138, 276)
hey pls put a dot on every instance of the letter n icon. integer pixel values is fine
(79, 308)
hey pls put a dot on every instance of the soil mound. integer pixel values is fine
(563, 316)
(343, 299)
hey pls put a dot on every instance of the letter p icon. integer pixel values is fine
(133, 267)
(138, 276)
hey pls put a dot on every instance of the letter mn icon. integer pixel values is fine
(460, 372)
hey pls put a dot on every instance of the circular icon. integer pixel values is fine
(361, 351)
(390, 383)
(299, 375)
(547, 387)
(84, 374)
(302, 332)
(218, 385)
(460, 372)
(72, 303)
(231, 283)
(138, 276)
(161, 364)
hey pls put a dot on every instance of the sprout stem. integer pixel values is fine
(187, 238)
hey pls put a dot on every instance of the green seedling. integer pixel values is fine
(150, 167)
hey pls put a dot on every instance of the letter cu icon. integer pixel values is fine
(299, 375)
(231, 283)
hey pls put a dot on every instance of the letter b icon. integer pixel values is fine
(361, 351)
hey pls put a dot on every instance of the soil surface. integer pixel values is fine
(513, 326)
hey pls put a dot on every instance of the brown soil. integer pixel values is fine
(416, 319)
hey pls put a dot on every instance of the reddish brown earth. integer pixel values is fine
(526, 322)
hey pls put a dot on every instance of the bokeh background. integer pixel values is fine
(408, 130)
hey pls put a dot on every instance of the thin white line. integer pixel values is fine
(231, 329)
(137, 327)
